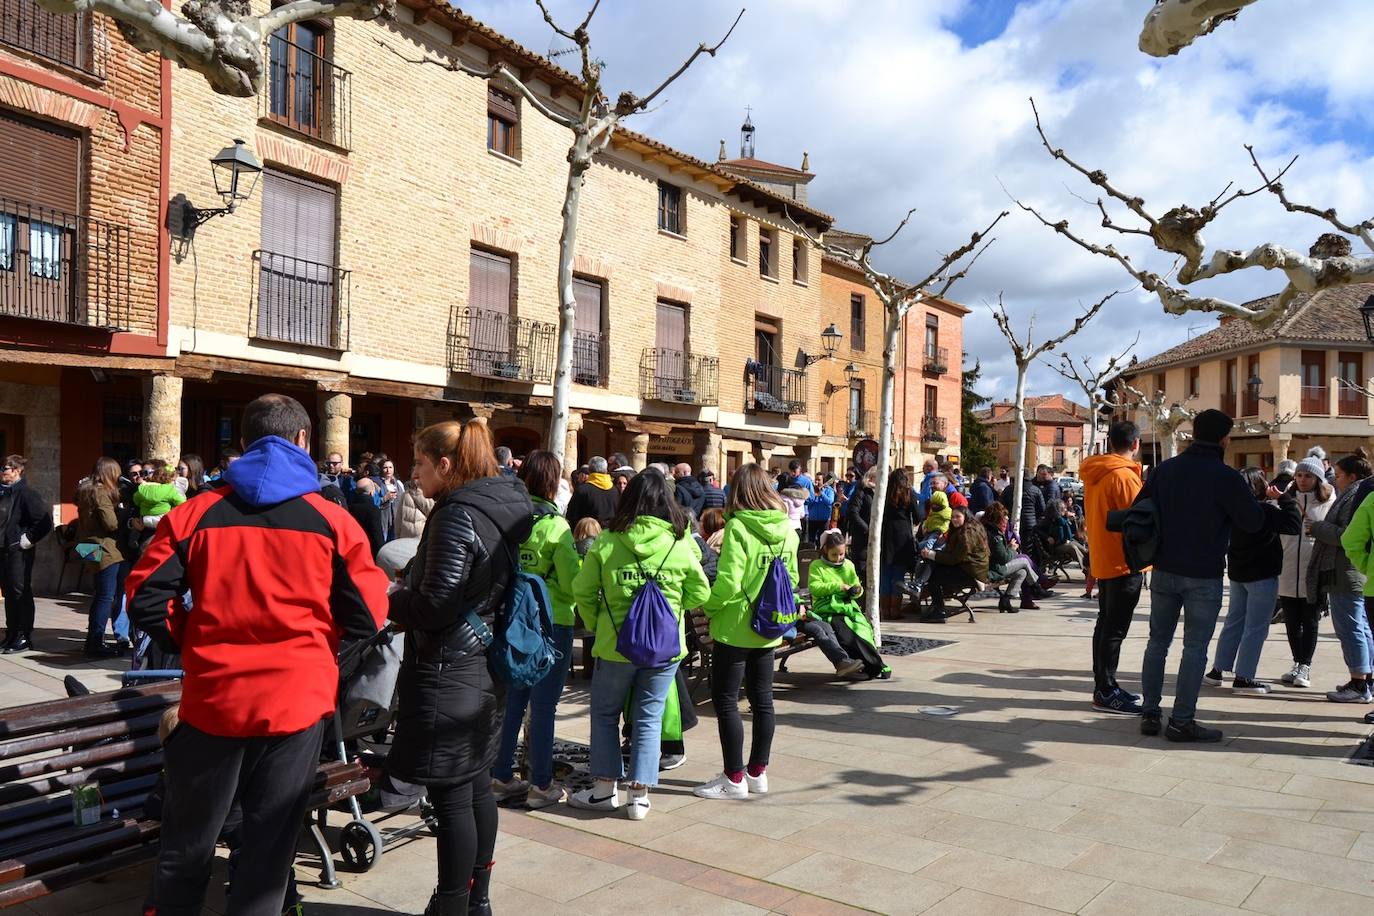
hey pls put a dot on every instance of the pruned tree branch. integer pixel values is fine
(1172, 25)
(1178, 232)
(628, 103)
(1166, 417)
(220, 39)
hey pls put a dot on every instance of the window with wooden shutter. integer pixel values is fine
(298, 283)
(670, 340)
(589, 338)
(670, 209)
(768, 253)
(40, 206)
(489, 313)
(798, 261)
(503, 122)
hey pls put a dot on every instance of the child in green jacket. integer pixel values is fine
(835, 589)
(757, 530)
(648, 538)
(549, 553)
(159, 496)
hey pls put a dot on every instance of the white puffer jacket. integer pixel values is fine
(1297, 548)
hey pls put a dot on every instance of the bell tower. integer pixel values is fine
(746, 136)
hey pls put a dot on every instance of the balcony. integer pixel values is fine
(678, 377)
(307, 93)
(65, 268)
(591, 359)
(496, 345)
(1315, 401)
(934, 431)
(936, 360)
(61, 38)
(299, 302)
(1352, 403)
(773, 389)
(1228, 404)
(863, 424)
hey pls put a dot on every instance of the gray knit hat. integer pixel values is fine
(1317, 452)
(1312, 466)
(1287, 466)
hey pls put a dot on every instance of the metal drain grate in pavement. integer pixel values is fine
(909, 645)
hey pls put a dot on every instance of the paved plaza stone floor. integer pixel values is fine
(1025, 801)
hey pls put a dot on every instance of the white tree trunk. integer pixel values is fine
(1018, 485)
(1170, 443)
(891, 333)
(579, 160)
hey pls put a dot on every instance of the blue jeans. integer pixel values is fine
(1352, 628)
(611, 684)
(1200, 602)
(102, 605)
(119, 619)
(1247, 624)
(542, 700)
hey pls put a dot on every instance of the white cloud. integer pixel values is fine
(896, 112)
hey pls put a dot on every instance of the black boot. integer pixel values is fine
(1004, 605)
(21, 643)
(447, 903)
(479, 891)
(11, 634)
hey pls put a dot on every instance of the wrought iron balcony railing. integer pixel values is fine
(936, 360)
(773, 389)
(591, 363)
(57, 266)
(1315, 400)
(307, 93)
(63, 38)
(934, 429)
(496, 345)
(299, 302)
(863, 424)
(679, 377)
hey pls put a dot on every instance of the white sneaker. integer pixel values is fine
(545, 798)
(1292, 674)
(845, 669)
(1303, 677)
(637, 805)
(596, 799)
(722, 787)
(758, 785)
(505, 790)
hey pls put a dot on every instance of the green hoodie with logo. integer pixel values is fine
(752, 538)
(618, 563)
(549, 552)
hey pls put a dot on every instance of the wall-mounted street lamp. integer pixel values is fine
(851, 372)
(235, 170)
(1255, 383)
(1367, 313)
(830, 340)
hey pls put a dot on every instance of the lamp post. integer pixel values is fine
(1367, 313)
(1255, 383)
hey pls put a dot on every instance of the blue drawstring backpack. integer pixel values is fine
(775, 606)
(521, 650)
(648, 637)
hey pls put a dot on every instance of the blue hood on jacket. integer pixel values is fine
(271, 471)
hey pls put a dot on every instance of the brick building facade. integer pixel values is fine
(84, 148)
(1055, 429)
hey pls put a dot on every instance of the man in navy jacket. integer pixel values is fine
(1199, 498)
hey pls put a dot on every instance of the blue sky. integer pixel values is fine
(923, 103)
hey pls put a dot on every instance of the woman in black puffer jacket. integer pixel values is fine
(449, 709)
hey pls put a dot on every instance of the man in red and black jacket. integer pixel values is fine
(277, 575)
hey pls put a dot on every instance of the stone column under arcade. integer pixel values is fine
(162, 417)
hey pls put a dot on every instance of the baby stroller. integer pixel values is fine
(361, 729)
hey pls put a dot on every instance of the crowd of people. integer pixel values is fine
(630, 556)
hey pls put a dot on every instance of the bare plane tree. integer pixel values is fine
(1025, 352)
(1166, 417)
(592, 127)
(1172, 25)
(898, 298)
(219, 39)
(1092, 382)
(1178, 232)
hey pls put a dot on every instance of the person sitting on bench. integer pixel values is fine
(835, 591)
(961, 563)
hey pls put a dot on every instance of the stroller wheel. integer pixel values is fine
(360, 844)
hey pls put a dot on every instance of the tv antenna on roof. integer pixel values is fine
(556, 52)
(1192, 328)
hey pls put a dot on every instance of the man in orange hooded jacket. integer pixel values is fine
(1111, 482)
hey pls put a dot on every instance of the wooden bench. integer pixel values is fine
(109, 740)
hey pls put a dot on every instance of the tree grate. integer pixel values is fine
(898, 646)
